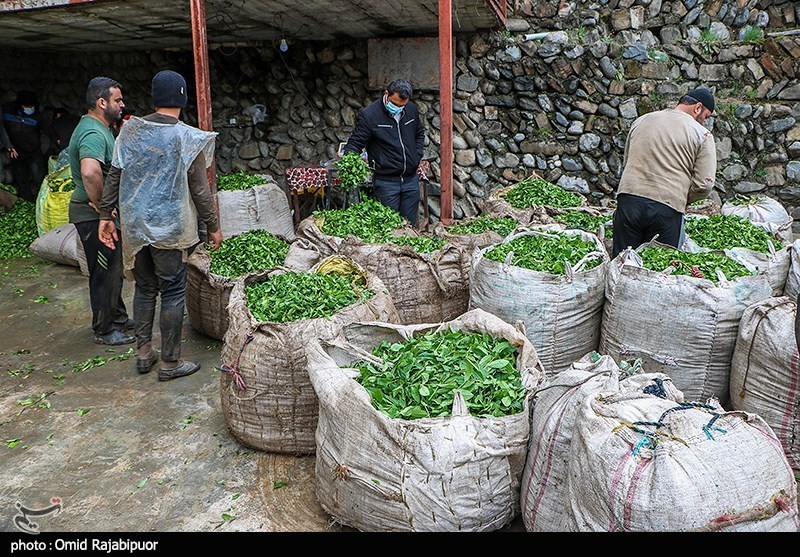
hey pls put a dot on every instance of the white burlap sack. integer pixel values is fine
(425, 287)
(258, 207)
(764, 371)
(376, 473)
(544, 498)
(775, 265)
(207, 295)
(61, 245)
(496, 205)
(641, 463)
(561, 313)
(311, 245)
(792, 287)
(679, 325)
(267, 398)
(768, 212)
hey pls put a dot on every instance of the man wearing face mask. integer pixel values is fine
(392, 132)
(25, 126)
(670, 162)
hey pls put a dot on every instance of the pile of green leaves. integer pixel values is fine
(294, 296)
(352, 171)
(730, 231)
(9, 188)
(373, 222)
(61, 184)
(421, 244)
(581, 220)
(483, 223)
(658, 259)
(544, 254)
(251, 251)
(370, 221)
(18, 230)
(418, 378)
(541, 193)
(239, 181)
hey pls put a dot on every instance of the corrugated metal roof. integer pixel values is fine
(115, 25)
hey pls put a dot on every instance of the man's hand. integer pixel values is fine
(13, 153)
(107, 233)
(215, 239)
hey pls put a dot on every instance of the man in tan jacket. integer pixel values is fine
(670, 162)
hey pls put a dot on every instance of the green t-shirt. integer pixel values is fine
(91, 139)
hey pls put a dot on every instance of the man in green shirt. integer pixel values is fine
(91, 148)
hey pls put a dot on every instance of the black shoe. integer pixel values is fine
(184, 369)
(144, 365)
(114, 338)
(127, 326)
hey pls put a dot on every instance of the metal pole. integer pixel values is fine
(446, 107)
(203, 81)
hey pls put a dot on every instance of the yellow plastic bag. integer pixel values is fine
(52, 207)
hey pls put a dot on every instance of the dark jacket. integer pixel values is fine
(25, 132)
(394, 149)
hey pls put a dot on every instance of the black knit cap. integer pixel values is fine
(27, 98)
(704, 96)
(169, 90)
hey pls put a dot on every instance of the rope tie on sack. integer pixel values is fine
(651, 438)
(238, 380)
(656, 388)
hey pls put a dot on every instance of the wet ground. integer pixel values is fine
(123, 451)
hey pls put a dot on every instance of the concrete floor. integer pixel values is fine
(123, 451)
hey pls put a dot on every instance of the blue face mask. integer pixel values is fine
(28, 110)
(393, 109)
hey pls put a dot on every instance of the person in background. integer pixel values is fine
(90, 149)
(392, 132)
(159, 183)
(27, 127)
(670, 162)
(61, 129)
(5, 147)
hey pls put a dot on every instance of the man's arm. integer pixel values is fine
(704, 172)
(92, 175)
(203, 200)
(360, 136)
(110, 197)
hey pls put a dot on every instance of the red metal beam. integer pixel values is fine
(446, 107)
(202, 80)
(500, 8)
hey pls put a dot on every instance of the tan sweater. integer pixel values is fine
(670, 158)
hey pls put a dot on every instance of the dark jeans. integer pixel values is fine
(105, 279)
(29, 171)
(160, 272)
(400, 195)
(637, 219)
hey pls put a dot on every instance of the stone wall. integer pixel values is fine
(554, 94)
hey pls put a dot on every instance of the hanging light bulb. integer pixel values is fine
(284, 47)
